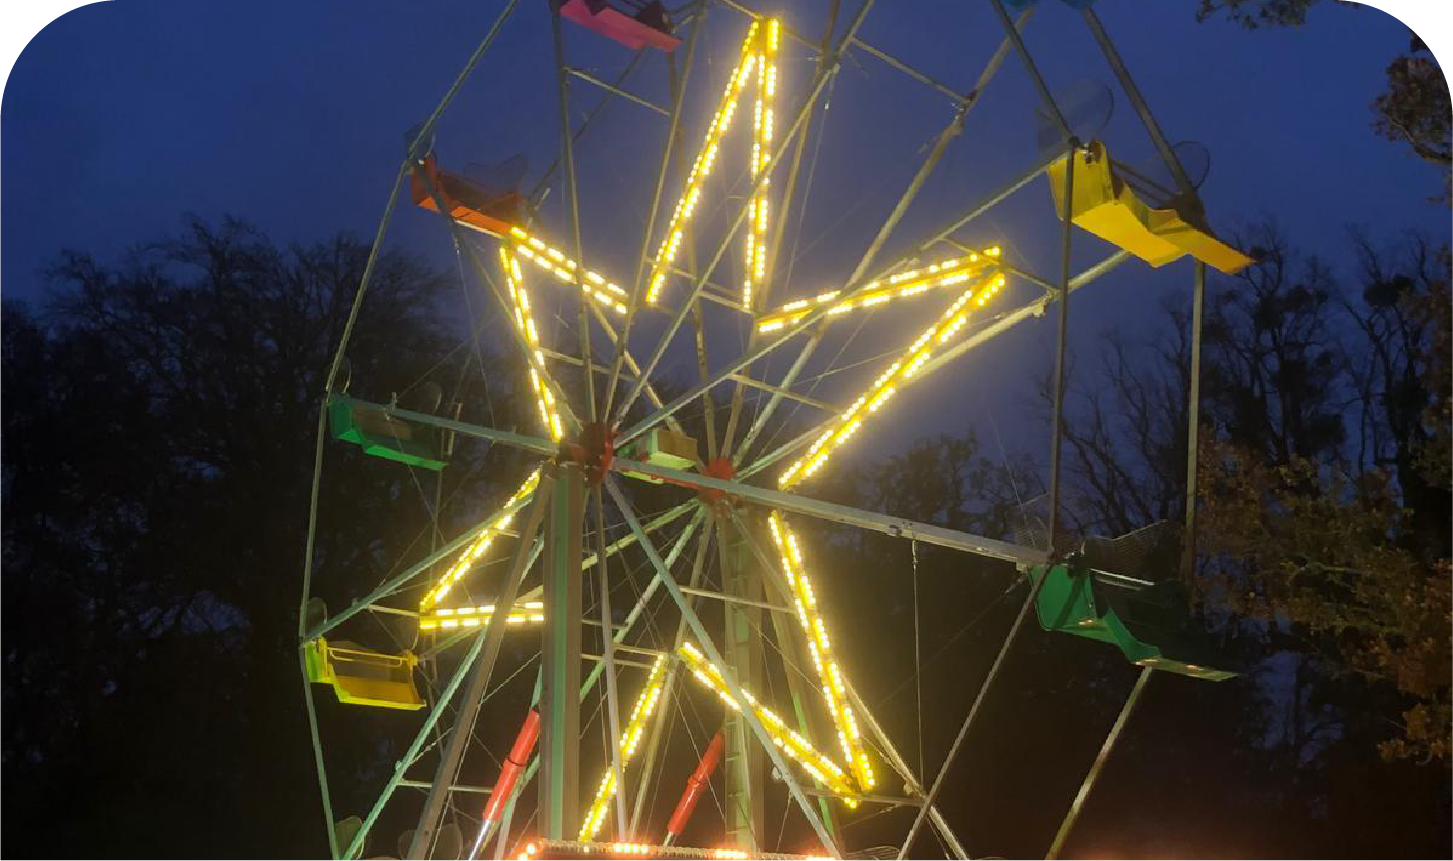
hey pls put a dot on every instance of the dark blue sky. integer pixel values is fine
(120, 116)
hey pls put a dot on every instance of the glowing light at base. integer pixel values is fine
(630, 738)
(525, 323)
(914, 282)
(541, 848)
(448, 618)
(554, 261)
(827, 773)
(758, 55)
(899, 374)
(477, 548)
(830, 675)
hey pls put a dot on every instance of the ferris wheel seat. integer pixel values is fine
(1105, 204)
(382, 435)
(663, 447)
(362, 676)
(647, 28)
(493, 213)
(1150, 623)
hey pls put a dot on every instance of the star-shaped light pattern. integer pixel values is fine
(978, 274)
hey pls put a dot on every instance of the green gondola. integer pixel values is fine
(383, 435)
(1151, 623)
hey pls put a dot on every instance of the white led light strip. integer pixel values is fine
(829, 674)
(554, 261)
(479, 545)
(758, 55)
(630, 738)
(826, 772)
(897, 375)
(945, 273)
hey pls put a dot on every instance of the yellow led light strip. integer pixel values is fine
(898, 374)
(826, 772)
(525, 322)
(635, 728)
(447, 618)
(943, 274)
(834, 691)
(721, 121)
(554, 261)
(755, 265)
(480, 544)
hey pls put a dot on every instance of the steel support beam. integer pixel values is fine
(1094, 773)
(672, 131)
(614, 90)
(709, 649)
(450, 757)
(896, 526)
(1061, 347)
(1193, 427)
(560, 689)
(742, 649)
(414, 747)
(1127, 83)
(1009, 320)
(790, 638)
(607, 665)
(653, 744)
(887, 524)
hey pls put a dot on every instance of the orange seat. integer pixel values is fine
(467, 203)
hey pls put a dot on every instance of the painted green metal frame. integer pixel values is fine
(666, 412)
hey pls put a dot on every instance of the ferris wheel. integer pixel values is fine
(654, 555)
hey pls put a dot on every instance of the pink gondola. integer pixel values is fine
(647, 27)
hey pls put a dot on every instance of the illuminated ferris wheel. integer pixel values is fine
(708, 597)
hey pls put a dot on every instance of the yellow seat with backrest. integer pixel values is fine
(1107, 205)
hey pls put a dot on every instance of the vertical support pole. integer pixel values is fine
(560, 687)
(607, 661)
(1057, 422)
(1193, 426)
(1094, 773)
(742, 650)
(572, 199)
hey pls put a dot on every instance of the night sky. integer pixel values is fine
(121, 116)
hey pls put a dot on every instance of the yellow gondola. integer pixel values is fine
(364, 677)
(1106, 205)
